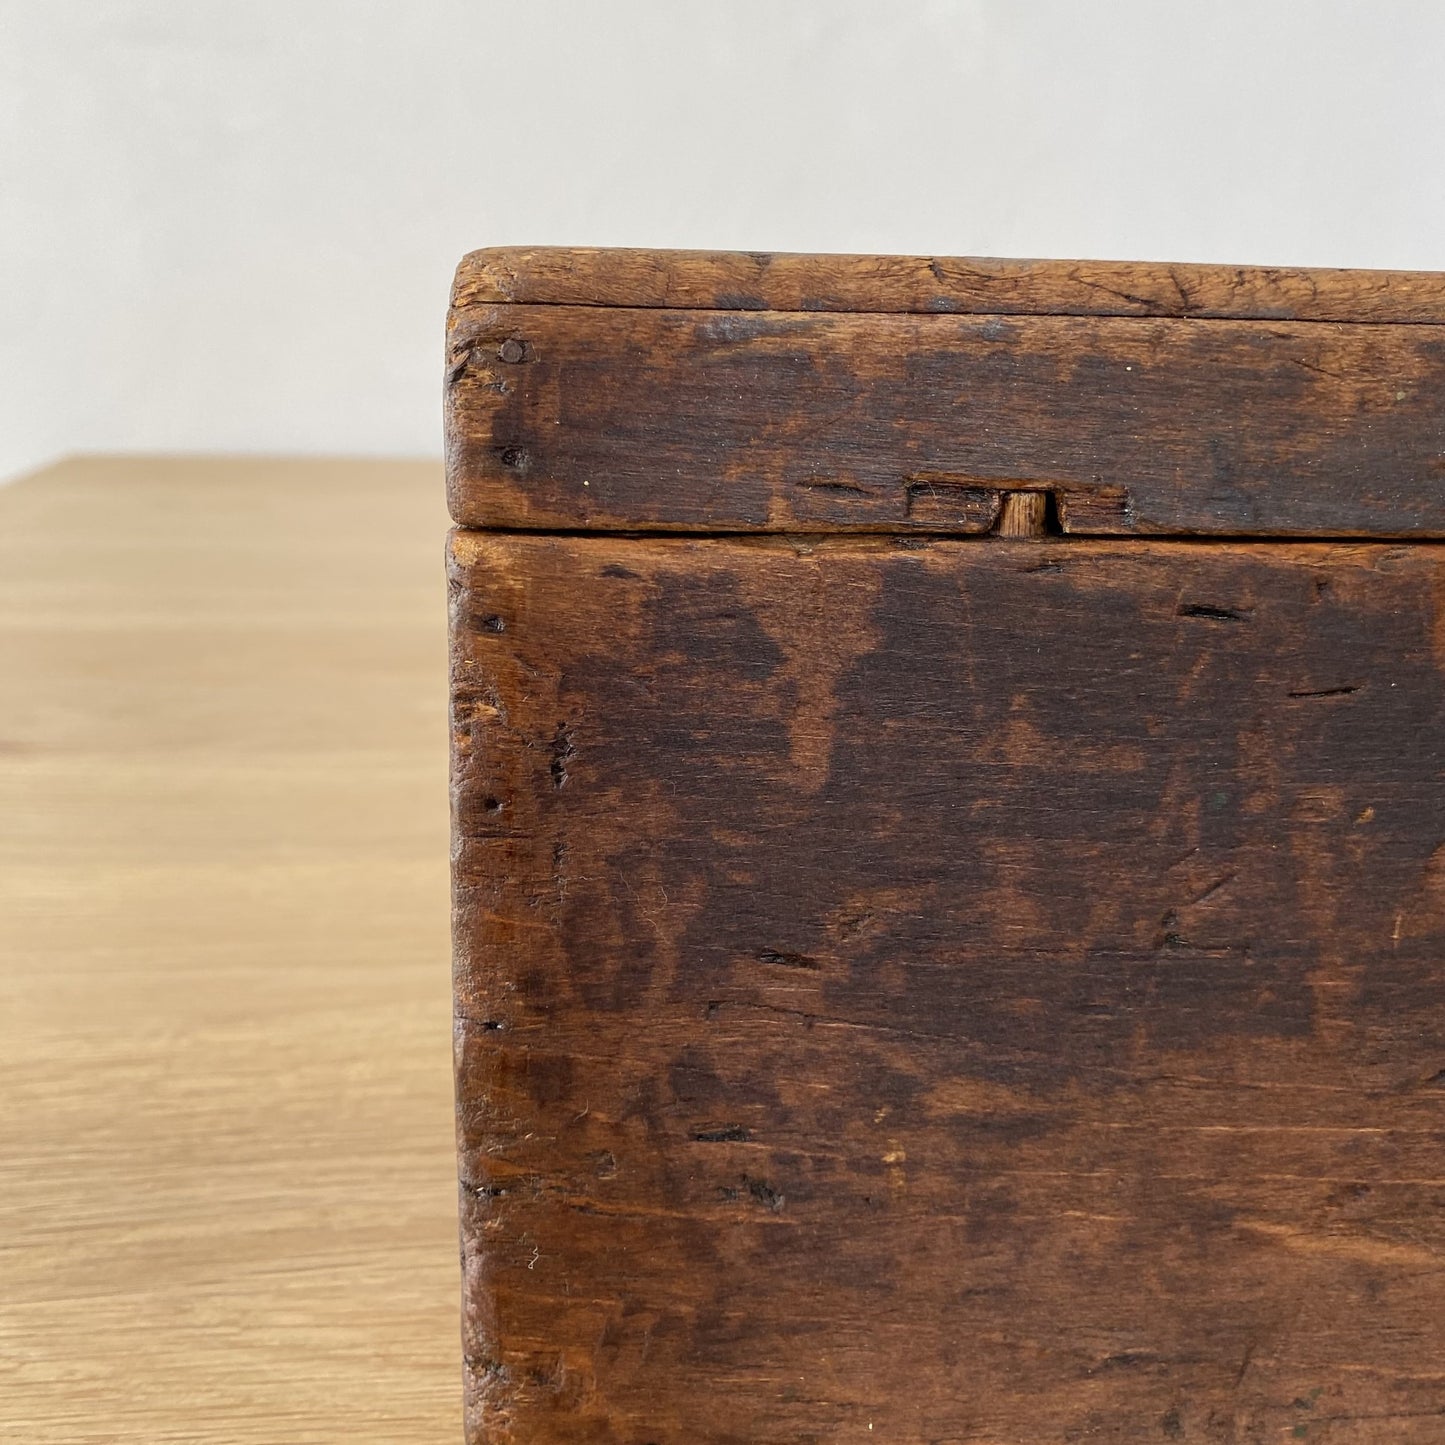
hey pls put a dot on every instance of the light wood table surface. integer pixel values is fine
(227, 1200)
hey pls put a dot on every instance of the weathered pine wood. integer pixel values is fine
(607, 418)
(960, 991)
(764, 281)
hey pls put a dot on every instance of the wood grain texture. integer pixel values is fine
(1024, 514)
(602, 419)
(765, 281)
(227, 1166)
(969, 991)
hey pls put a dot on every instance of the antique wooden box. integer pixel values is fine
(949, 850)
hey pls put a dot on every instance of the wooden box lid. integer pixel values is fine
(714, 392)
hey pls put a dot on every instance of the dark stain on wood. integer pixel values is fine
(984, 990)
(948, 987)
(649, 418)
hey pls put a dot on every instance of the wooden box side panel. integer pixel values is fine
(979, 991)
(605, 419)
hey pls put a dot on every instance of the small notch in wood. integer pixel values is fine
(1027, 514)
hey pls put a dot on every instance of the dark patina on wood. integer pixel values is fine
(611, 418)
(628, 394)
(982, 988)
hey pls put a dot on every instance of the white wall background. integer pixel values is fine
(230, 224)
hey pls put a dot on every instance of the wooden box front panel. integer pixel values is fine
(963, 991)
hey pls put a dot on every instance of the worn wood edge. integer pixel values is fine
(472, 552)
(789, 281)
